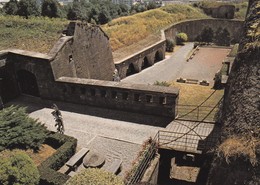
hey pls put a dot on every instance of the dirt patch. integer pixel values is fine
(41, 155)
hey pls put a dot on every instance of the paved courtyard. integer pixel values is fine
(203, 66)
(116, 134)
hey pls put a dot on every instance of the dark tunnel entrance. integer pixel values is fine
(27, 83)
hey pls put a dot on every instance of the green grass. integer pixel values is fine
(128, 30)
(35, 34)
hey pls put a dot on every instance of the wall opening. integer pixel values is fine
(145, 63)
(131, 70)
(158, 56)
(27, 83)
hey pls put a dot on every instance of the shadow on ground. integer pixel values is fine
(35, 103)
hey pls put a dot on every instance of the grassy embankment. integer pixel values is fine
(128, 30)
(34, 34)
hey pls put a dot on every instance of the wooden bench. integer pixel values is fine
(115, 166)
(75, 159)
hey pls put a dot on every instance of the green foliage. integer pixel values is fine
(18, 130)
(11, 7)
(181, 38)
(170, 45)
(99, 11)
(222, 37)
(163, 83)
(50, 8)
(17, 168)
(66, 147)
(207, 35)
(95, 176)
(35, 34)
(28, 8)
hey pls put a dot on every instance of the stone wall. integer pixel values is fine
(148, 99)
(143, 59)
(85, 55)
(145, 99)
(193, 28)
(156, 52)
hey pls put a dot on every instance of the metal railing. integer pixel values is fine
(186, 142)
(197, 113)
(149, 154)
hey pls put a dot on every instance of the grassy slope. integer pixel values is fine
(35, 34)
(127, 30)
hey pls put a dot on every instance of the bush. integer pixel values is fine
(163, 83)
(66, 149)
(18, 130)
(95, 176)
(181, 38)
(170, 45)
(17, 168)
(222, 37)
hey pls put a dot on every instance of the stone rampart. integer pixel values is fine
(193, 28)
(156, 52)
(142, 59)
(33, 74)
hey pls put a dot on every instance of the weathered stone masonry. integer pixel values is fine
(54, 76)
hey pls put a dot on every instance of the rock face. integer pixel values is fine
(87, 55)
(237, 158)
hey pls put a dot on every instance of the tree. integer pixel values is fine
(18, 130)
(28, 8)
(104, 16)
(50, 8)
(181, 38)
(170, 45)
(94, 176)
(207, 35)
(11, 7)
(18, 168)
(222, 37)
(151, 5)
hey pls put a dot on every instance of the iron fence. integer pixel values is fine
(197, 113)
(142, 165)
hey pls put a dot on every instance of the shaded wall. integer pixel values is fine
(193, 28)
(86, 54)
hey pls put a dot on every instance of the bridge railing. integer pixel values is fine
(197, 113)
(142, 165)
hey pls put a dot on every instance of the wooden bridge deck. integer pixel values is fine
(189, 136)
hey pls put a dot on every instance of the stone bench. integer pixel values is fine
(192, 81)
(115, 166)
(77, 158)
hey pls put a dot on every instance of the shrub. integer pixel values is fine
(163, 83)
(222, 37)
(17, 168)
(18, 130)
(181, 38)
(170, 45)
(66, 148)
(95, 176)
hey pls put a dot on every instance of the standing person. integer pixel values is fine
(58, 119)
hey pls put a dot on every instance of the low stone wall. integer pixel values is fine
(151, 174)
(142, 59)
(148, 99)
(156, 52)
(193, 28)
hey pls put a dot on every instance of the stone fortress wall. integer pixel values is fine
(54, 76)
(156, 52)
(80, 67)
